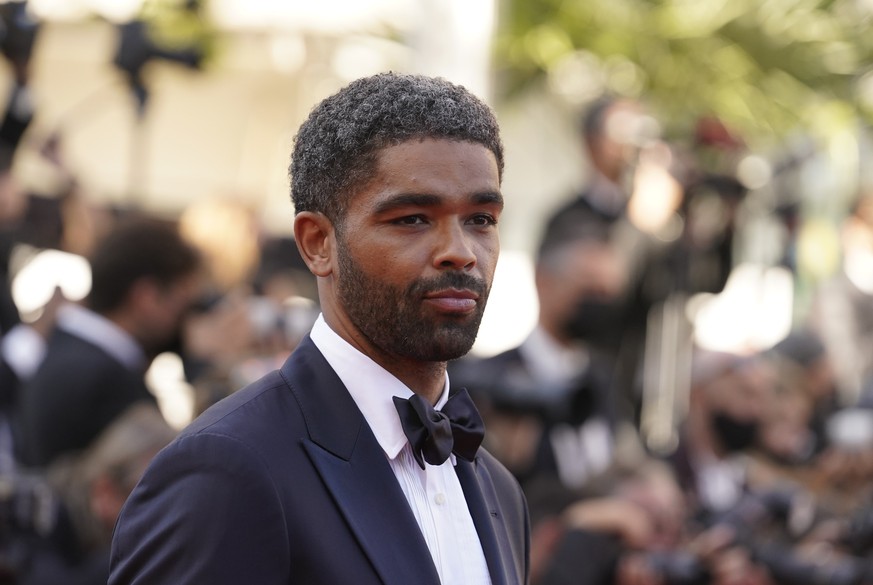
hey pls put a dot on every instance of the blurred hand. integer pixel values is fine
(544, 540)
(734, 566)
(616, 516)
(635, 569)
(728, 563)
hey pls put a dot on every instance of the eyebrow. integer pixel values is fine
(428, 200)
(489, 198)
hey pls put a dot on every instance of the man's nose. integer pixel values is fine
(454, 249)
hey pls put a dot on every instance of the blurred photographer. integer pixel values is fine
(91, 487)
(615, 131)
(144, 280)
(641, 534)
(723, 425)
(668, 215)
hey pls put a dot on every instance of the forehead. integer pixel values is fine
(432, 166)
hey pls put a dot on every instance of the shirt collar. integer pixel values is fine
(549, 361)
(372, 387)
(100, 331)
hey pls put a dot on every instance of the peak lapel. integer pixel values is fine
(354, 468)
(367, 493)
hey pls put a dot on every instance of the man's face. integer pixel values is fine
(162, 310)
(417, 250)
(742, 393)
(613, 150)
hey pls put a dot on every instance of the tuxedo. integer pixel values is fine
(285, 482)
(78, 390)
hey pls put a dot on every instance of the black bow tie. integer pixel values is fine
(435, 434)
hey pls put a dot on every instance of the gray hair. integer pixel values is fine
(336, 147)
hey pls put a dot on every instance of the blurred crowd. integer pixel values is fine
(648, 458)
(763, 478)
(80, 416)
(81, 410)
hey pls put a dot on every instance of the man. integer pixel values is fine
(725, 416)
(143, 281)
(308, 475)
(616, 133)
(631, 196)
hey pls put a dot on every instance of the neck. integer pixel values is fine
(425, 378)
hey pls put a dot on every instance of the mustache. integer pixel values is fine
(457, 280)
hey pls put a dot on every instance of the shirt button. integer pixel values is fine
(440, 499)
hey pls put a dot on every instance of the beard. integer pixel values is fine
(394, 320)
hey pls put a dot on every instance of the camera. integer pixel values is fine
(678, 568)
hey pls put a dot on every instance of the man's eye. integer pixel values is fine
(410, 220)
(483, 219)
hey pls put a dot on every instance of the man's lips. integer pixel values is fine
(453, 300)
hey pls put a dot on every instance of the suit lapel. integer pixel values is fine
(355, 470)
(377, 514)
(482, 502)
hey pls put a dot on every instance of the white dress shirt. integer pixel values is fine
(551, 364)
(581, 451)
(434, 493)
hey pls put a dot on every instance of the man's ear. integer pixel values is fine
(314, 235)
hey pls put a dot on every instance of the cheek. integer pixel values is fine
(488, 255)
(395, 260)
(388, 263)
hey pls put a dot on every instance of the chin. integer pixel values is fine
(452, 349)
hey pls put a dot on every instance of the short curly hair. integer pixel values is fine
(335, 149)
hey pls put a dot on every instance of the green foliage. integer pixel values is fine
(765, 67)
(179, 24)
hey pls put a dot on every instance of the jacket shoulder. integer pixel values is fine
(253, 406)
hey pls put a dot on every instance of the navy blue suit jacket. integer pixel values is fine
(284, 482)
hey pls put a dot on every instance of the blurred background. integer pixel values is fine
(160, 104)
(742, 154)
